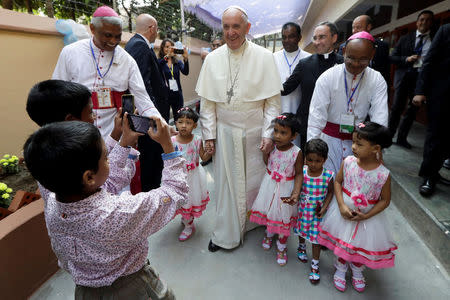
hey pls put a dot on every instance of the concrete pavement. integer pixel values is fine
(249, 272)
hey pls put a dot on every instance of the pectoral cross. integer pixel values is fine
(230, 94)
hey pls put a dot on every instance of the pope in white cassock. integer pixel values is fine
(286, 60)
(239, 86)
(344, 96)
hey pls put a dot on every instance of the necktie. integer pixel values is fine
(419, 46)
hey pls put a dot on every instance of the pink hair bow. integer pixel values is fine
(183, 108)
(361, 125)
(281, 117)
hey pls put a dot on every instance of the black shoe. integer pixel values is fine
(213, 247)
(443, 180)
(447, 163)
(427, 188)
(204, 163)
(404, 144)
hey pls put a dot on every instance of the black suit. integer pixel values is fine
(306, 74)
(151, 161)
(404, 84)
(380, 61)
(434, 82)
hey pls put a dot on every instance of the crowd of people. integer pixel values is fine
(297, 141)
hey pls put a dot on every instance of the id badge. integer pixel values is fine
(104, 97)
(173, 85)
(347, 124)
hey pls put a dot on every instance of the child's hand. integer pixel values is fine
(161, 135)
(129, 137)
(293, 199)
(358, 216)
(322, 211)
(117, 130)
(346, 212)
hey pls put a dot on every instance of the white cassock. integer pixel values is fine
(237, 126)
(286, 63)
(329, 103)
(76, 63)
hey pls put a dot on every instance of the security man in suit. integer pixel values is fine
(433, 86)
(140, 48)
(408, 56)
(310, 68)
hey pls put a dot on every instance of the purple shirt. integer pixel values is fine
(104, 236)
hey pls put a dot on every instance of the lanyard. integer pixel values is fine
(96, 63)
(171, 70)
(287, 61)
(354, 90)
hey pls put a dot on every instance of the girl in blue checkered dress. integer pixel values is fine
(316, 194)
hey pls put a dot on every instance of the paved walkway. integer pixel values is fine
(249, 272)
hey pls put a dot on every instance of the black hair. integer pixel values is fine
(59, 153)
(187, 112)
(288, 120)
(427, 12)
(295, 25)
(318, 147)
(375, 133)
(332, 26)
(52, 100)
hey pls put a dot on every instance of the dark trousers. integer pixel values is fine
(437, 141)
(175, 101)
(151, 163)
(403, 94)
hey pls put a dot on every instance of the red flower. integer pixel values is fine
(359, 200)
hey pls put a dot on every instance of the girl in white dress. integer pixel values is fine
(192, 148)
(355, 226)
(276, 203)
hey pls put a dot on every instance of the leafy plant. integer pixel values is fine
(9, 164)
(5, 195)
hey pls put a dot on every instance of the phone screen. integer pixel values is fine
(178, 51)
(140, 123)
(127, 104)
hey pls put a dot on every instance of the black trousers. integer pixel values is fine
(403, 94)
(437, 141)
(151, 163)
(175, 101)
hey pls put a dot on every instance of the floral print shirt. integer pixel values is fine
(104, 236)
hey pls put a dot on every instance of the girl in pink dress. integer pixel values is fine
(192, 148)
(355, 227)
(276, 203)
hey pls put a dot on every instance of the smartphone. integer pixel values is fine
(141, 124)
(178, 51)
(127, 104)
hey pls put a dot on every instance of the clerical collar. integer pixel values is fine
(418, 33)
(326, 55)
(351, 76)
(292, 54)
(239, 50)
(97, 49)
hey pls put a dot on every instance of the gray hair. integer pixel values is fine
(98, 21)
(243, 12)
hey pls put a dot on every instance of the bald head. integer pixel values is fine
(147, 26)
(362, 23)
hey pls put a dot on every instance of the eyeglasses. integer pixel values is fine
(363, 62)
